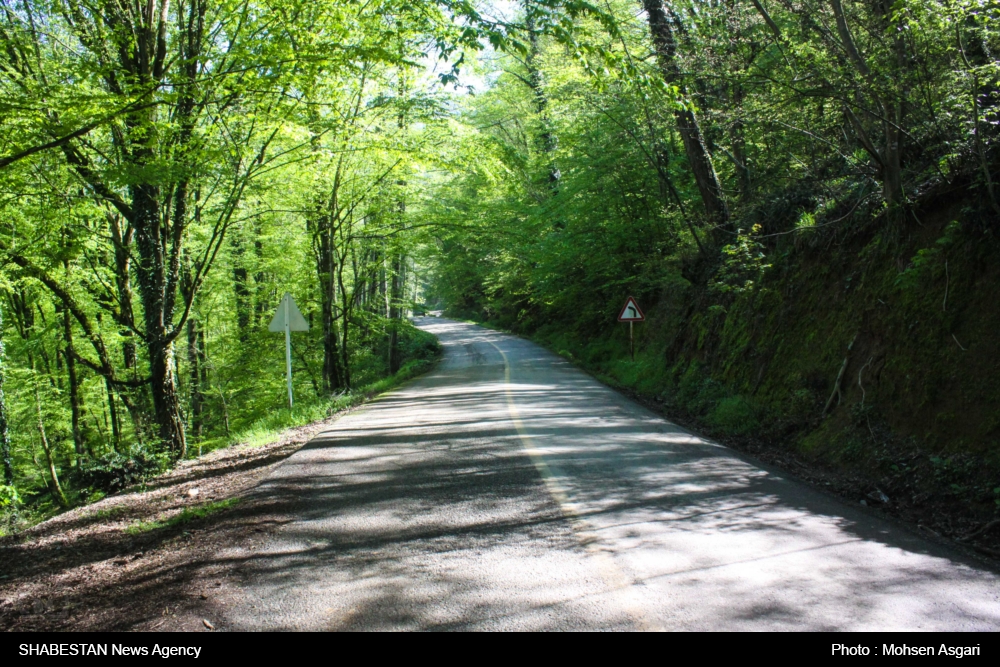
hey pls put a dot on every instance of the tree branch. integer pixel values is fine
(28, 152)
(69, 302)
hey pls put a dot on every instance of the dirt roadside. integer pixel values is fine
(121, 564)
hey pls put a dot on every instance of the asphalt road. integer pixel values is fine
(507, 490)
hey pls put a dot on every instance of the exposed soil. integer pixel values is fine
(83, 570)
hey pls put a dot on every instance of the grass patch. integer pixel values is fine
(109, 513)
(187, 514)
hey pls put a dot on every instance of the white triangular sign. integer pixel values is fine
(296, 322)
(631, 312)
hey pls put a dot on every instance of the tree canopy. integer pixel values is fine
(169, 169)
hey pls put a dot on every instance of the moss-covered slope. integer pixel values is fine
(872, 358)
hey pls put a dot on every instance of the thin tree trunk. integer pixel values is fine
(326, 269)
(395, 300)
(547, 143)
(888, 160)
(373, 282)
(5, 454)
(122, 241)
(260, 302)
(196, 395)
(203, 366)
(75, 400)
(54, 486)
(737, 141)
(687, 123)
(382, 291)
(241, 288)
(397, 254)
(116, 432)
(345, 311)
(895, 109)
(976, 128)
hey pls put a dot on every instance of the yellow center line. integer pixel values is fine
(613, 577)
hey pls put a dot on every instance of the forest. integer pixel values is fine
(799, 193)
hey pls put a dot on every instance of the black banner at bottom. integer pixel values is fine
(221, 645)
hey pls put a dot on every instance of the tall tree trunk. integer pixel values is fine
(203, 366)
(122, 239)
(196, 392)
(158, 242)
(397, 252)
(75, 400)
(895, 109)
(157, 304)
(345, 311)
(5, 455)
(687, 122)
(326, 270)
(383, 293)
(547, 143)
(116, 429)
(737, 129)
(260, 296)
(888, 160)
(374, 263)
(395, 312)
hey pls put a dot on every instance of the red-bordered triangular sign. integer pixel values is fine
(631, 312)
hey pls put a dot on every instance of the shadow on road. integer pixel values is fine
(426, 512)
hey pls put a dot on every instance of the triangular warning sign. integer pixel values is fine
(287, 308)
(631, 312)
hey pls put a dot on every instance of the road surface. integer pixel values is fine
(507, 490)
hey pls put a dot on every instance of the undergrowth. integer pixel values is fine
(117, 472)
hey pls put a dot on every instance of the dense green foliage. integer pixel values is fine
(167, 172)
(785, 185)
(824, 286)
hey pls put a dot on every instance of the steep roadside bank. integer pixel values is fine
(873, 377)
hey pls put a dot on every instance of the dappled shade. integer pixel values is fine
(430, 509)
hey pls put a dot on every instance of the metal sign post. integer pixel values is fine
(631, 313)
(288, 353)
(288, 318)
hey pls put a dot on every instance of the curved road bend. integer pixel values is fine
(507, 490)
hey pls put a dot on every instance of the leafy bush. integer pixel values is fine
(9, 510)
(115, 471)
(734, 416)
(698, 393)
(417, 344)
(743, 264)
(8, 496)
